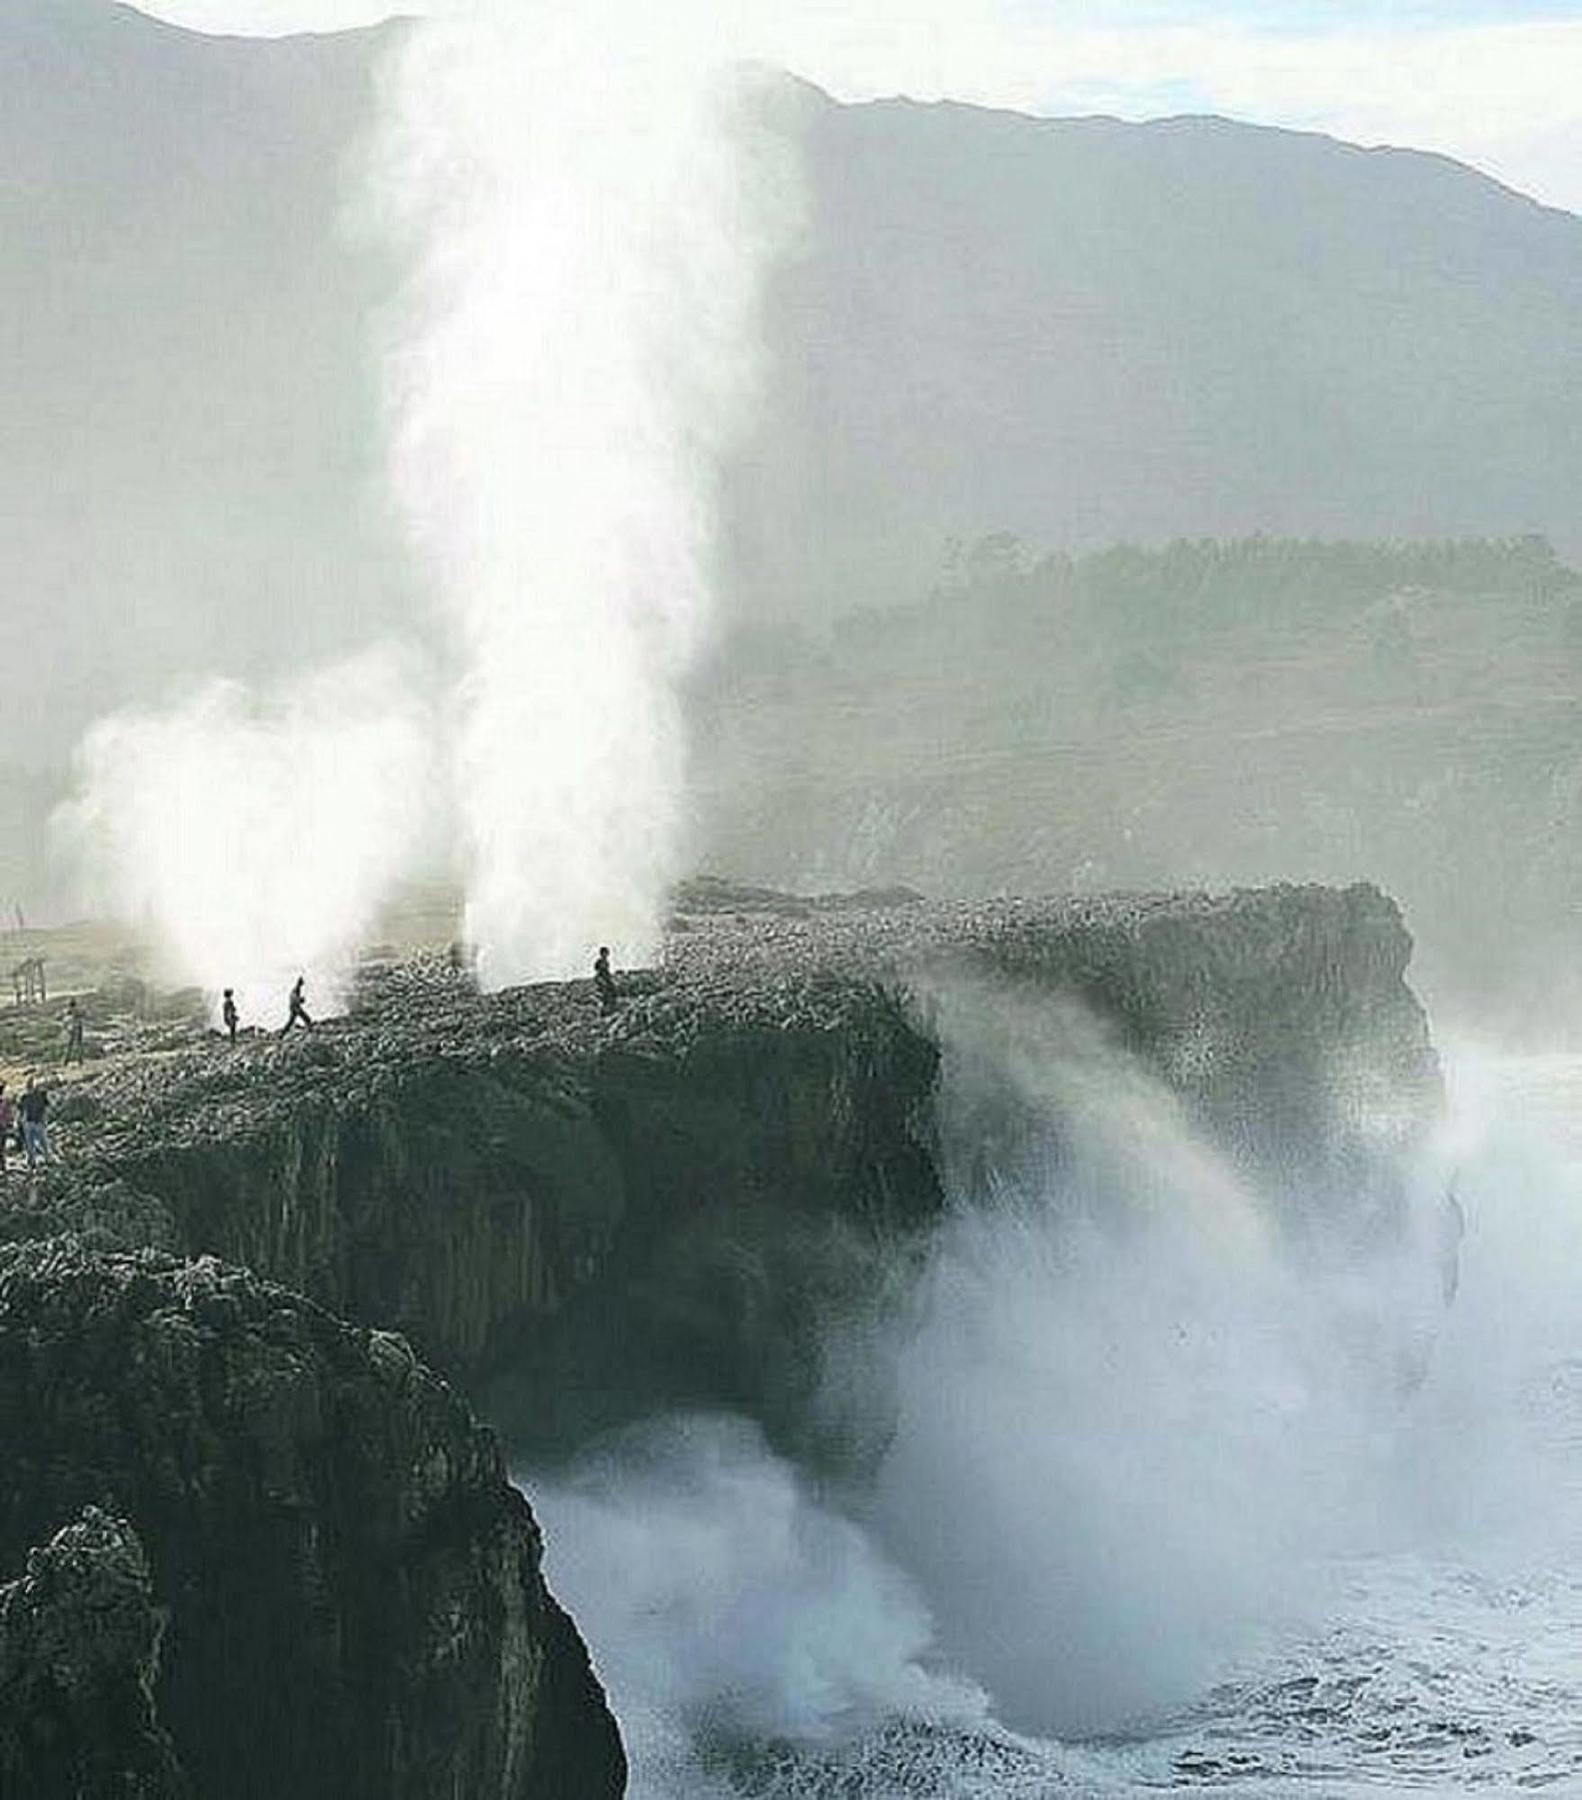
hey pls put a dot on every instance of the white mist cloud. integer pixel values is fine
(254, 839)
(589, 226)
(722, 1596)
(590, 212)
(1160, 1416)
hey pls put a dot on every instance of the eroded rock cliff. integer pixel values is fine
(79, 1662)
(584, 1215)
(342, 1593)
(666, 1202)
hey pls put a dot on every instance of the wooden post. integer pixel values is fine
(27, 981)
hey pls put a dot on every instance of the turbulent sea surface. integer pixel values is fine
(1159, 1518)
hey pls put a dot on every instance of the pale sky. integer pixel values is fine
(1498, 85)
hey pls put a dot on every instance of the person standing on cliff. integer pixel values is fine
(604, 981)
(298, 1012)
(73, 1032)
(229, 1015)
(34, 1109)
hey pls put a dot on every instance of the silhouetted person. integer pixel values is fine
(73, 1032)
(34, 1108)
(604, 981)
(298, 1013)
(228, 1014)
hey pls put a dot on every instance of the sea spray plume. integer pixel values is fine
(1120, 1432)
(256, 839)
(727, 1601)
(591, 204)
(1155, 1416)
(588, 215)
(1125, 1142)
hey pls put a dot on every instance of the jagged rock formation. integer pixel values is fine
(79, 1660)
(595, 1214)
(667, 1203)
(467, 1169)
(354, 1598)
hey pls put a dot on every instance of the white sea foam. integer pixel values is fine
(1177, 1511)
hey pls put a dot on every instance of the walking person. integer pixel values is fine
(34, 1108)
(298, 1012)
(229, 1014)
(73, 1033)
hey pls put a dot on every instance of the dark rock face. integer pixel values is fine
(79, 1659)
(675, 1193)
(598, 1215)
(1280, 1016)
(354, 1597)
(667, 1203)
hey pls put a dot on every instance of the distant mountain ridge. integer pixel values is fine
(1078, 331)
(189, 411)
(1083, 332)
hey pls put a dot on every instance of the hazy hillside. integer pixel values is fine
(1210, 713)
(1084, 332)
(1081, 331)
(188, 442)
(1077, 331)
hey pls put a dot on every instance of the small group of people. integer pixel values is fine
(296, 1010)
(24, 1124)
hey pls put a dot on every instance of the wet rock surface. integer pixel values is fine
(350, 1589)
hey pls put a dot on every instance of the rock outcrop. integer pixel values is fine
(317, 1578)
(678, 1191)
(1281, 1018)
(350, 1589)
(79, 1660)
(667, 1203)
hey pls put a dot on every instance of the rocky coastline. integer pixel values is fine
(221, 1314)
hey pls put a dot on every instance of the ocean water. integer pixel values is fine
(1162, 1513)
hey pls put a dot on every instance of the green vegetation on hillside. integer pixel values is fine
(1203, 713)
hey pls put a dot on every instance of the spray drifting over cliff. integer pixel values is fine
(593, 201)
(579, 350)
(581, 211)
(589, 203)
(255, 838)
(1148, 1469)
